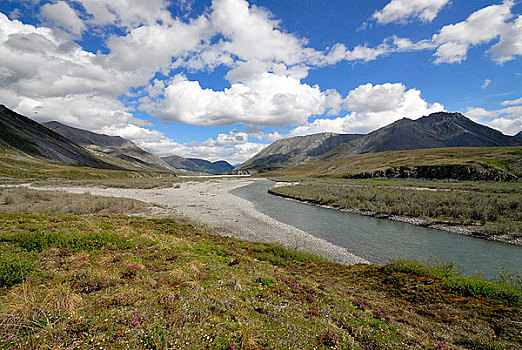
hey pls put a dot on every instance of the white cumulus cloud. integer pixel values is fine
(63, 16)
(481, 27)
(372, 107)
(508, 119)
(51, 78)
(400, 11)
(126, 13)
(267, 99)
(510, 43)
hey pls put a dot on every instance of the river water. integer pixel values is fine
(381, 240)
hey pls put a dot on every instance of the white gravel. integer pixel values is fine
(209, 203)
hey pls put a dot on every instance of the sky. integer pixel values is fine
(222, 79)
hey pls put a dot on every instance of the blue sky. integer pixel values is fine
(222, 79)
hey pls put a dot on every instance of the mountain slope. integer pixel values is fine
(293, 151)
(438, 130)
(195, 165)
(113, 149)
(32, 138)
(518, 136)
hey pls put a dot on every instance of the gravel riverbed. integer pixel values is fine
(209, 203)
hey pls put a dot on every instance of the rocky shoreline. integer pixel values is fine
(436, 225)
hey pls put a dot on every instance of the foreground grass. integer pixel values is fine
(488, 208)
(73, 282)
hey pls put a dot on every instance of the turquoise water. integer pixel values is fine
(381, 240)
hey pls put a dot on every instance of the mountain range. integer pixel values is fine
(438, 130)
(64, 144)
(60, 143)
(112, 149)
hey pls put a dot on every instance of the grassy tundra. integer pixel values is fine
(116, 282)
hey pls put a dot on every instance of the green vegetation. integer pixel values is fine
(508, 292)
(39, 241)
(23, 200)
(280, 256)
(338, 164)
(486, 208)
(15, 269)
(119, 282)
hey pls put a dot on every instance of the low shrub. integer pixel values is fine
(281, 256)
(502, 290)
(431, 269)
(491, 208)
(480, 287)
(38, 241)
(14, 270)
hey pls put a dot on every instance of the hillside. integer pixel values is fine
(31, 138)
(490, 161)
(112, 149)
(15, 164)
(292, 151)
(199, 166)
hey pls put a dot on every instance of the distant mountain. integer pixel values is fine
(293, 151)
(198, 166)
(34, 139)
(218, 167)
(438, 130)
(112, 149)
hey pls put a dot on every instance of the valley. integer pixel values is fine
(115, 245)
(260, 175)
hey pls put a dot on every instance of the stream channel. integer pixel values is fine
(382, 240)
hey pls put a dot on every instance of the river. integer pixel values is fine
(382, 240)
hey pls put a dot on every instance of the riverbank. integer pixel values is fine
(393, 200)
(209, 204)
